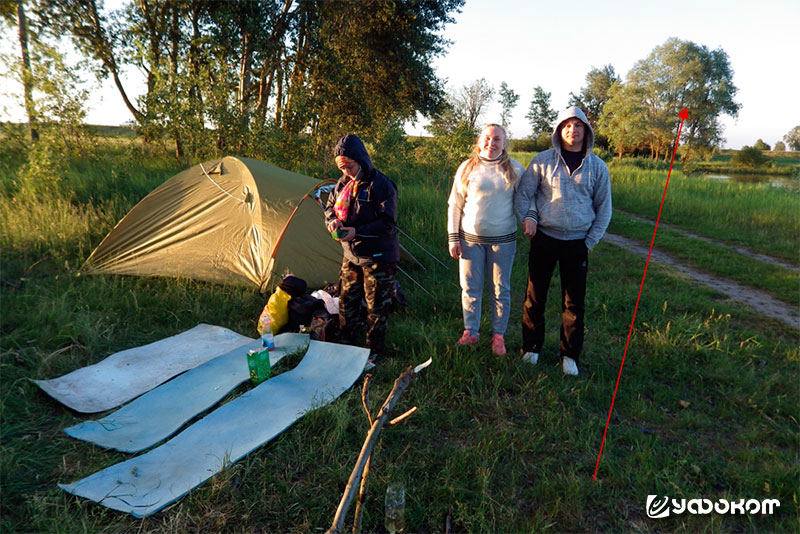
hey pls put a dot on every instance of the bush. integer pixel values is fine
(761, 145)
(544, 142)
(603, 154)
(750, 157)
(45, 167)
(445, 151)
(522, 145)
(391, 147)
(647, 164)
(690, 167)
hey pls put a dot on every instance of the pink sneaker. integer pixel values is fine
(467, 339)
(498, 345)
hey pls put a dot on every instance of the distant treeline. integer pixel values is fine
(286, 78)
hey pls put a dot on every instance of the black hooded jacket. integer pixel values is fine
(373, 213)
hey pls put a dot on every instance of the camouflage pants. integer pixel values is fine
(374, 284)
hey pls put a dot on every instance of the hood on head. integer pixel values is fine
(576, 112)
(352, 147)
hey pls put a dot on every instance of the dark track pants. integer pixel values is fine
(573, 262)
(373, 283)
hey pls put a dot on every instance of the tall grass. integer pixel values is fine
(781, 282)
(707, 406)
(758, 216)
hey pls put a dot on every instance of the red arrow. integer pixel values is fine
(683, 116)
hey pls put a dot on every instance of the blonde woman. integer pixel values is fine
(481, 231)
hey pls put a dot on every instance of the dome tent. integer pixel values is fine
(233, 220)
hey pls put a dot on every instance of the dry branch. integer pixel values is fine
(362, 464)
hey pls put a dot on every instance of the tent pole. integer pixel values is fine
(415, 282)
(423, 248)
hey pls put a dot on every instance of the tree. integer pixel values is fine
(540, 114)
(90, 32)
(453, 128)
(792, 138)
(54, 94)
(761, 145)
(594, 95)
(361, 64)
(9, 13)
(681, 74)
(779, 147)
(508, 101)
(623, 120)
(249, 69)
(470, 101)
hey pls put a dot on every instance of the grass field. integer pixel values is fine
(708, 403)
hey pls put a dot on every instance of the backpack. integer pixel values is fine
(324, 327)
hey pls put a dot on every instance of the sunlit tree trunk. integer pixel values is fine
(106, 55)
(173, 77)
(245, 65)
(279, 98)
(27, 74)
(272, 61)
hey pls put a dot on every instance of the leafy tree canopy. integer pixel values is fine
(761, 145)
(675, 75)
(623, 121)
(540, 113)
(792, 138)
(316, 67)
(594, 94)
(508, 101)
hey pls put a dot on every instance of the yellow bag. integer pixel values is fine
(278, 306)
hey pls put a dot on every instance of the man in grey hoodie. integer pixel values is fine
(564, 205)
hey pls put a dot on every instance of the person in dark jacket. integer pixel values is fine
(362, 208)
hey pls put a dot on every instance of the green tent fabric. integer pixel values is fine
(234, 220)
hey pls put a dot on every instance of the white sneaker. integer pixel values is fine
(569, 366)
(531, 357)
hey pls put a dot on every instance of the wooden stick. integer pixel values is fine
(362, 492)
(400, 385)
(401, 417)
(365, 398)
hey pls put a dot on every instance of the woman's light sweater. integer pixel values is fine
(484, 212)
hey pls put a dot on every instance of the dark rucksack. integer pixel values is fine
(324, 326)
(301, 311)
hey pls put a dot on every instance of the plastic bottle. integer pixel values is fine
(265, 329)
(395, 508)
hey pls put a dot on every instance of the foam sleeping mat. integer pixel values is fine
(147, 483)
(126, 375)
(157, 414)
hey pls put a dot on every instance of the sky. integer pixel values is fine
(529, 43)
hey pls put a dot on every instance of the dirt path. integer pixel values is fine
(757, 300)
(741, 250)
